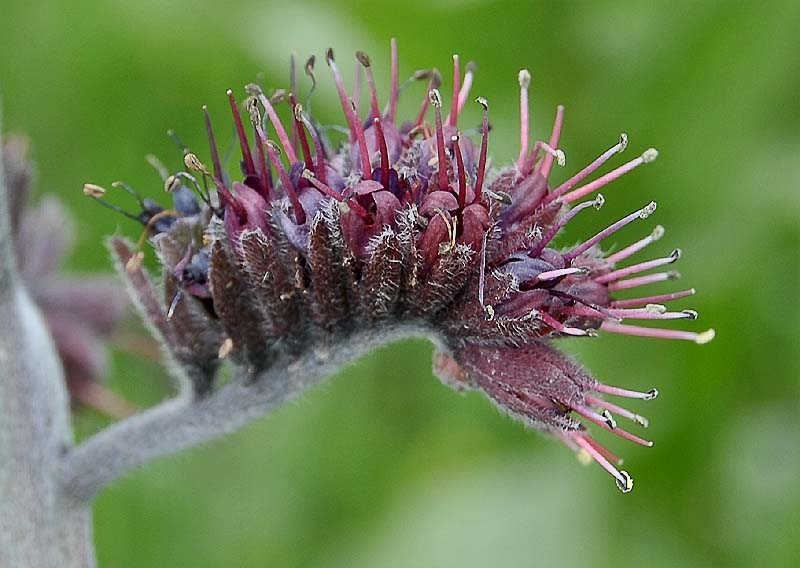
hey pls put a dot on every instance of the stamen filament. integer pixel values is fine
(249, 166)
(623, 479)
(624, 412)
(547, 164)
(636, 268)
(643, 280)
(642, 213)
(452, 118)
(462, 174)
(280, 131)
(436, 101)
(647, 157)
(466, 86)
(635, 302)
(699, 338)
(626, 393)
(630, 250)
(524, 78)
(597, 203)
(288, 186)
(384, 151)
(356, 131)
(588, 170)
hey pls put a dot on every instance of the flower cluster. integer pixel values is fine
(400, 225)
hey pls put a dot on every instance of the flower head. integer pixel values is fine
(401, 225)
(81, 312)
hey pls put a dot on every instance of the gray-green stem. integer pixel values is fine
(40, 525)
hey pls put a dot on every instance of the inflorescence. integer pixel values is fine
(401, 224)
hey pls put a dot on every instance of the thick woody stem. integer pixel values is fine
(39, 525)
(184, 422)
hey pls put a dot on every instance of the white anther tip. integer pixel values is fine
(690, 314)
(435, 97)
(626, 483)
(651, 394)
(584, 457)
(648, 210)
(599, 201)
(609, 419)
(623, 142)
(657, 233)
(656, 308)
(561, 158)
(483, 102)
(524, 78)
(93, 190)
(641, 421)
(226, 348)
(649, 155)
(705, 336)
(676, 254)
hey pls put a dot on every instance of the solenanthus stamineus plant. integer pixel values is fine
(314, 255)
(400, 226)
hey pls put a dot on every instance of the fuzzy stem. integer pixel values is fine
(184, 422)
(39, 525)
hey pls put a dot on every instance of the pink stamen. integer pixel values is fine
(212, 145)
(635, 302)
(264, 173)
(636, 268)
(356, 131)
(462, 174)
(524, 120)
(299, 133)
(452, 118)
(249, 166)
(630, 250)
(624, 412)
(699, 338)
(557, 325)
(319, 167)
(617, 391)
(325, 189)
(466, 86)
(364, 60)
(484, 149)
(280, 131)
(291, 192)
(606, 423)
(597, 203)
(643, 280)
(588, 170)
(395, 92)
(647, 157)
(608, 454)
(547, 164)
(646, 314)
(553, 274)
(384, 153)
(642, 213)
(436, 101)
(624, 481)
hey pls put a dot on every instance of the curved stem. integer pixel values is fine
(184, 421)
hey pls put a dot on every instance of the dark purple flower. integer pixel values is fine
(81, 312)
(402, 225)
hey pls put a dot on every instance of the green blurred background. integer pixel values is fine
(384, 466)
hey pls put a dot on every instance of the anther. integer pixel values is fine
(192, 162)
(623, 142)
(626, 483)
(609, 419)
(648, 210)
(93, 190)
(172, 184)
(649, 155)
(524, 78)
(226, 348)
